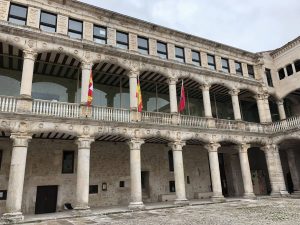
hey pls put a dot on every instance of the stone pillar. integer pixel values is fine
(281, 110)
(111, 36)
(206, 100)
(236, 104)
(132, 86)
(212, 149)
(62, 24)
(188, 55)
(275, 170)
(27, 73)
(88, 31)
(4, 8)
(293, 170)
(267, 108)
(83, 173)
(16, 178)
(171, 51)
(133, 43)
(294, 68)
(179, 173)
(86, 73)
(33, 17)
(246, 173)
(263, 108)
(173, 95)
(203, 56)
(136, 201)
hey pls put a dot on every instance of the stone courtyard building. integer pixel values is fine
(238, 136)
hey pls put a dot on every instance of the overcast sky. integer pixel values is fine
(253, 25)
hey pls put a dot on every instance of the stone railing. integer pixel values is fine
(110, 114)
(288, 124)
(156, 118)
(8, 104)
(194, 121)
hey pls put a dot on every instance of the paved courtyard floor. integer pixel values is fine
(257, 212)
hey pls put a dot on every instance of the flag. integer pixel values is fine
(182, 99)
(139, 96)
(90, 91)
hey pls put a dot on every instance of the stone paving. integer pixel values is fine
(254, 212)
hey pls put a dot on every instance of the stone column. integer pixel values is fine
(136, 201)
(86, 73)
(83, 173)
(206, 100)
(275, 170)
(16, 178)
(27, 73)
(294, 170)
(179, 173)
(132, 86)
(212, 149)
(236, 104)
(246, 173)
(294, 68)
(263, 108)
(267, 108)
(281, 110)
(173, 95)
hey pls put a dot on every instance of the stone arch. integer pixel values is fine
(204, 138)
(222, 83)
(127, 65)
(167, 136)
(237, 140)
(160, 70)
(293, 136)
(289, 91)
(14, 41)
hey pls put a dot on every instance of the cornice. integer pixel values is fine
(277, 52)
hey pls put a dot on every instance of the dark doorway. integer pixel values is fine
(46, 199)
(145, 184)
(223, 175)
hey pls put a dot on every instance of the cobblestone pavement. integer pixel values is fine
(256, 212)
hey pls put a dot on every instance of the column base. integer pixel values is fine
(218, 198)
(284, 194)
(181, 202)
(249, 196)
(9, 218)
(136, 206)
(279, 194)
(295, 194)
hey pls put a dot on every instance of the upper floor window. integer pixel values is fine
(225, 65)
(162, 50)
(238, 68)
(17, 14)
(143, 45)
(75, 29)
(100, 34)
(289, 69)
(179, 54)
(196, 58)
(297, 65)
(281, 74)
(269, 77)
(48, 22)
(251, 71)
(122, 40)
(211, 62)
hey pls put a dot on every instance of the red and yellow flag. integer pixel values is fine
(139, 96)
(181, 106)
(90, 91)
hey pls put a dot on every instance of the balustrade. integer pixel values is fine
(110, 114)
(8, 104)
(157, 118)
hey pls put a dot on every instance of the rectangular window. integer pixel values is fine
(225, 65)
(269, 77)
(17, 14)
(251, 71)
(93, 189)
(196, 58)
(122, 184)
(297, 65)
(100, 34)
(68, 162)
(1, 154)
(238, 68)
(143, 45)
(75, 29)
(289, 69)
(179, 54)
(162, 51)
(172, 186)
(281, 73)
(122, 40)
(48, 22)
(211, 62)
(3, 194)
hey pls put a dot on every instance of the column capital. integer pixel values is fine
(212, 147)
(270, 148)
(234, 92)
(280, 102)
(84, 142)
(205, 87)
(20, 140)
(259, 96)
(243, 148)
(133, 73)
(172, 81)
(29, 55)
(135, 143)
(176, 145)
(86, 66)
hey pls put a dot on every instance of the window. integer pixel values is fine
(3, 194)
(238, 68)
(225, 65)
(297, 65)
(172, 186)
(171, 163)
(179, 54)
(188, 180)
(68, 162)
(211, 62)
(281, 74)
(93, 189)
(251, 71)
(122, 184)
(17, 14)
(196, 58)
(162, 50)
(75, 29)
(122, 40)
(143, 45)
(48, 22)
(1, 153)
(269, 77)
(100, 34)
(289, 69)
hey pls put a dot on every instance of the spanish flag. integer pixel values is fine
(139, 96)
(90, 91)
(181, 106)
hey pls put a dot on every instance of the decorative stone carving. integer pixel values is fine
(172, 81)
(234, 92)
(205, 87)
(84, 142)
(176, 145)
(243, 148)
(20, 140)
(28, 54)
(212, 147)
(33, 17)
(135, 144)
